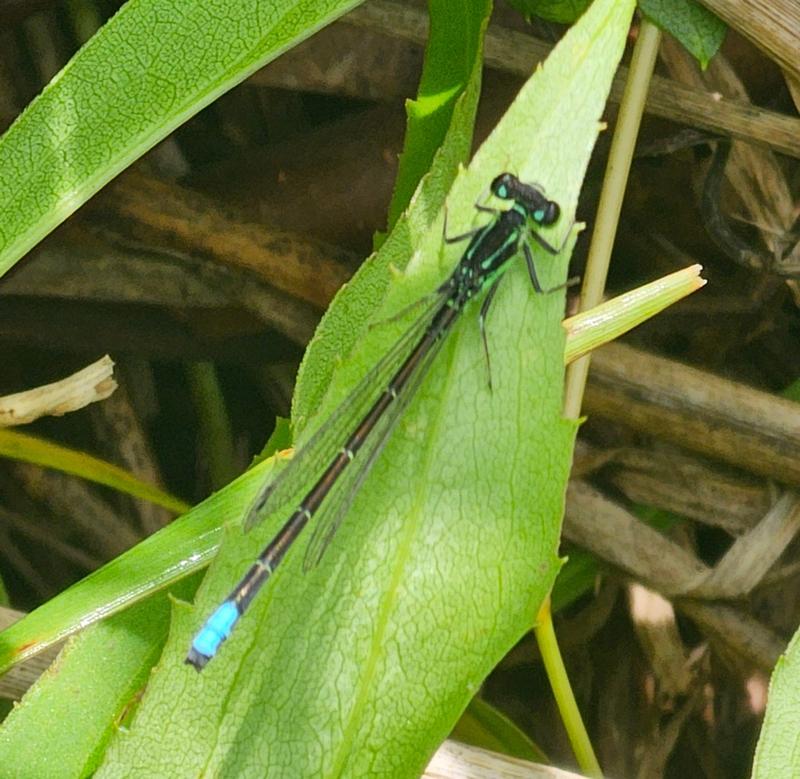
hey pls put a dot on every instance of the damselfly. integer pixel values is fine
(340, 468)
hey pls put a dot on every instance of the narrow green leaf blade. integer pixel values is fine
(182, 547)
(452, 51)
(611, 319)
(484, 726)
(150, 68)
(30, 449)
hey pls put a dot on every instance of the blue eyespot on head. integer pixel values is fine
(549, 214)
(503, 186)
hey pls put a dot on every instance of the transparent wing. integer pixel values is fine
(338, 501)
(312, 458)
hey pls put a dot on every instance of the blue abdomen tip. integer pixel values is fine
(216, 629)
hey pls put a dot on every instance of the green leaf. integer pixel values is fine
(777, 755)
(63, 723)
(456, 30)
(362, 666)
(484, 726)
(697, 28)
(153, 65)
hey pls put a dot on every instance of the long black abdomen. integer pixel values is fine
(271, 557)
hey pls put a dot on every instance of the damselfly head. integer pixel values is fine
(530, 196)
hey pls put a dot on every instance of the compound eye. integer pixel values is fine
(551, 214)
(500, 186)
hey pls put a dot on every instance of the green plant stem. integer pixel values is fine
(84, 18)
(562, 691)
(213, 416)
(619, 162)
(610, 205)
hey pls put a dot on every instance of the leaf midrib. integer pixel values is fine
(409, 532)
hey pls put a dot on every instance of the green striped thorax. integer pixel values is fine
(493, 245)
